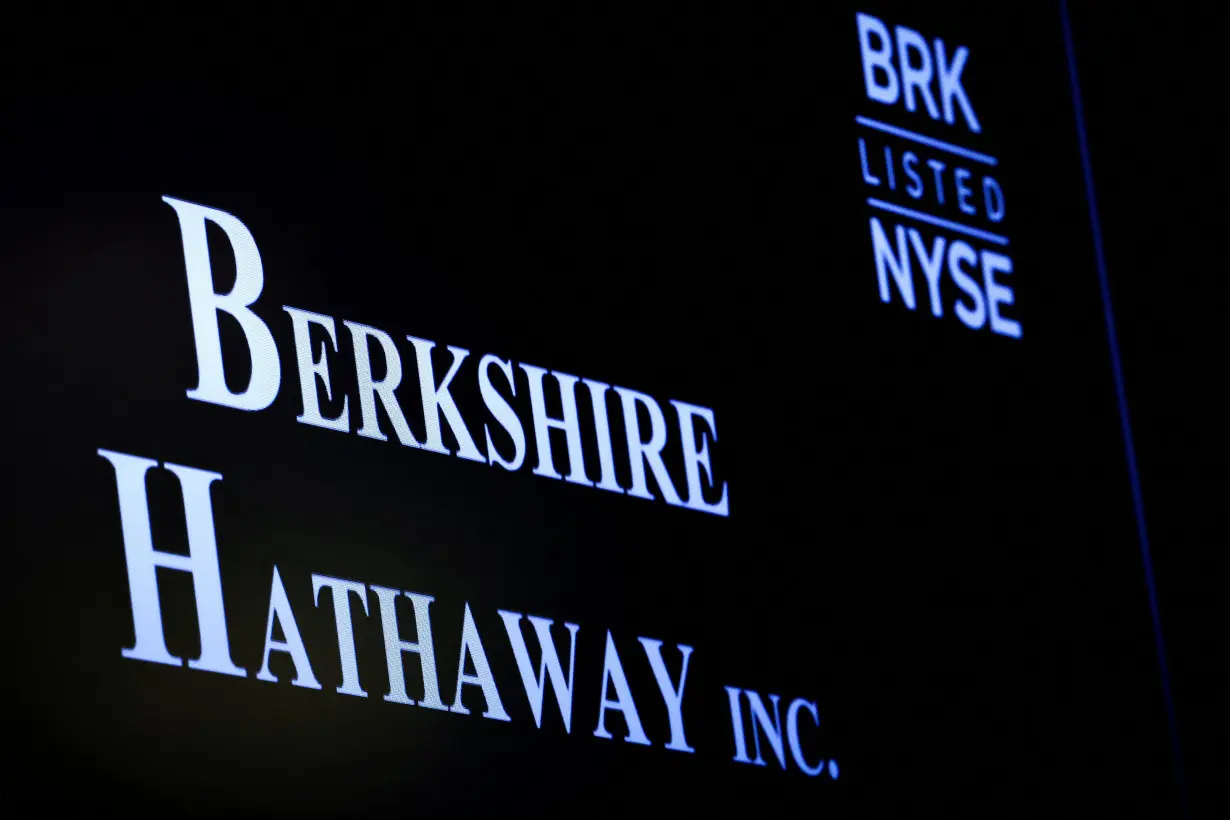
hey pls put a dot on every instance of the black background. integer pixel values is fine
(930, 535)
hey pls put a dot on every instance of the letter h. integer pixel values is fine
(143, 562)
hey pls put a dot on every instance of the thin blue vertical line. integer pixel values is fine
(1121, 394)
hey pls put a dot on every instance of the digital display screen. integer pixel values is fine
(572, 415)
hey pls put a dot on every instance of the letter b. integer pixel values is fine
(880, 57)
(205, 302)
(143, 561)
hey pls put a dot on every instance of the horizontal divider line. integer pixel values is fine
(935, 220)
(924, 140)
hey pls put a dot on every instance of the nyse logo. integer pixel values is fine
(937, 231)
